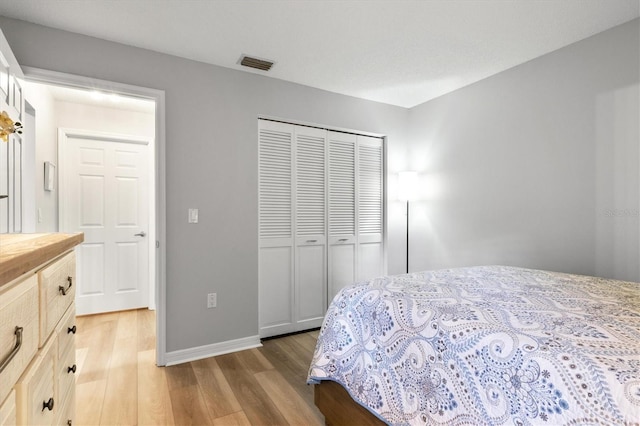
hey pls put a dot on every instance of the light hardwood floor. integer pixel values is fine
(119, 384)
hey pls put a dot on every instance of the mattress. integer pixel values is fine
(486, 345)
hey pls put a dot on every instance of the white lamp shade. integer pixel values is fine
(407, 186)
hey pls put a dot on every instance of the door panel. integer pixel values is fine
(91, 213)
(311, 277)
(371, 257)
(127, 265)
(276, 284)
(127, 210)
(90, 269)
(341, 267)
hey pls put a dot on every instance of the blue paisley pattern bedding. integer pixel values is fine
(486, 345)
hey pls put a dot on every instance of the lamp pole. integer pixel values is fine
(407, 236)
(408, 186)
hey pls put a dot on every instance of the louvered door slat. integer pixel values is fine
(341, 187)
(275, 196)
(370, 187)
(310, 184)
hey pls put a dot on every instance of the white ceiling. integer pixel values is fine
(398, 52)
(100, 99)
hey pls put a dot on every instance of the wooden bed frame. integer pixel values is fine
(339, 408)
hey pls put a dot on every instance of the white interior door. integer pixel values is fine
(104, 193)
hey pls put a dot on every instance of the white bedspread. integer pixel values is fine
(486, 345)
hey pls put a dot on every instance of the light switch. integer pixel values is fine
(193, 215)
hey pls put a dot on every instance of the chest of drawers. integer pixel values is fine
(37, 328)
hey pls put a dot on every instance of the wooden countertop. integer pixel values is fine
(20, 253)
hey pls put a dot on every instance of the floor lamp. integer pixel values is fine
(407, 191)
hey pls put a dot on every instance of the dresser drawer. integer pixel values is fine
(8, 410)
(66, 331)
(35, 391)
(67, 413)
(66, 373)
(18, 330)
(57, 291)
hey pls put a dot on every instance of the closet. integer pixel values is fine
(321, 224)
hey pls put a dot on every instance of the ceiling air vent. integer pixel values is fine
(259, 64)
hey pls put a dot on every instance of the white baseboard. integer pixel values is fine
(206, 351)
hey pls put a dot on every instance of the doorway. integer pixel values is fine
(155, 230)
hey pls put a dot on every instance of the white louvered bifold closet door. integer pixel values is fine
(342, 211)
(275, 204)
(370, 205)
(321, 220)
(310, 227)
(292, 209)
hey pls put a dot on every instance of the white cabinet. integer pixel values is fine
(45, 392)
(36, 390)
(8, 415)
(318, 233)
(37, 330)
(11, 151)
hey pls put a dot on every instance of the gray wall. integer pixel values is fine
(532, 167)
(537, 166)
(211, 153)
(45, 150)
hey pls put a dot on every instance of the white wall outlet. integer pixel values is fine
(212, 300)
(193, 215)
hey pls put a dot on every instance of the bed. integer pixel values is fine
(481, 345)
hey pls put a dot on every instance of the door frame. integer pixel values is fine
(87, 83)
(64, 134)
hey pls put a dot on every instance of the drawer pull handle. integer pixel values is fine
(14, 351)
(71, 330)
(47, 404)
(72, 368)
(65, 290)
(312, 241)
(342, 240)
